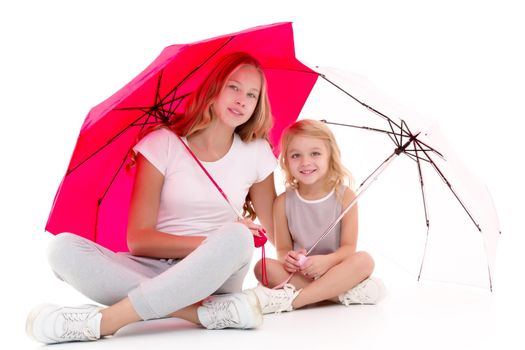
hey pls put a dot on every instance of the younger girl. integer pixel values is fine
(315, 197)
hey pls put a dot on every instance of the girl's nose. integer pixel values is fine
(240, 100)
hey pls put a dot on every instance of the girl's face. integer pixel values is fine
(235, 104)
(308, 160)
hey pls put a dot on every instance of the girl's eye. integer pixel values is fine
(252, 95)
(316, 154)
(233, 87)
(294, 155)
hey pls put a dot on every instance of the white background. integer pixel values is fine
(460, 62)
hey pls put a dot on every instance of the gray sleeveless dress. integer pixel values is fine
(309, 219)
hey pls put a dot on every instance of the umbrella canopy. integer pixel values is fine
(93, 198)
(419, 205)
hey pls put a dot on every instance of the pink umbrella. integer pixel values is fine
(93, 198)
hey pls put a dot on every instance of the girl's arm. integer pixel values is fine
(283, 238)
(263, 195)
(143, 238)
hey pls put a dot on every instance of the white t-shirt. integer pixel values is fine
(190, 204)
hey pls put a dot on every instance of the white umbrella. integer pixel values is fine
(442, 224)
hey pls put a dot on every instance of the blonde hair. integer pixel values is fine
(199, 111)
(337, 174)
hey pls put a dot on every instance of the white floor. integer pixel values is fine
(427, 315)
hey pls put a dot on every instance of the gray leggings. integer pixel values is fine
(155, 287)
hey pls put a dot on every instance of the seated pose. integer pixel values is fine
(185, 241)
(315, 197)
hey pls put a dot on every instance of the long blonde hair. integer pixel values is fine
(337, 174)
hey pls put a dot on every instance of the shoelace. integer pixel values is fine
(76, 326)
(283, 299)
(356, 295)
(221, 314)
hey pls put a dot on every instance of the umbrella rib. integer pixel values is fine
(171, 110)
(133, 123)
(161, 100)
(164, 115)
(393, 138)
(411, 156)
(419, 144)
(397, 142)
(99, 202)
(363, 127)
(157, 91)
(427, 221)
(422, 143)
(199, 66)
(445, 180)
(148, 111)
(146, 108)
(429, 148)
(458, 199)
(403, 124)
(292, 70)
(359, 101)
(112, 180)
(415, 157)
(146, 122)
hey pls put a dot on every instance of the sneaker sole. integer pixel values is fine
(256, 308)
(31, 319)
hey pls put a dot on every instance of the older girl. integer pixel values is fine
(185, 241)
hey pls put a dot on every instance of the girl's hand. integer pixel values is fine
(291, 262)
(254, 228)
(315, 266)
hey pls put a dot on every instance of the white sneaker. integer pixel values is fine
(276, 300)
(371, 291)
(50, 324)
(237, 310)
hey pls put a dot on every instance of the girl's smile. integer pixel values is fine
(308, 160)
